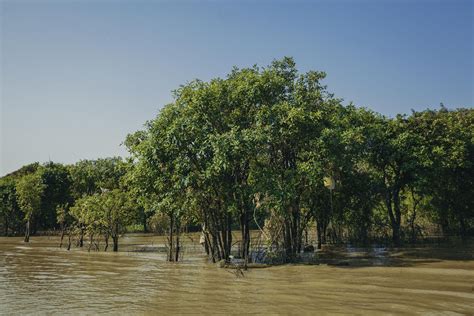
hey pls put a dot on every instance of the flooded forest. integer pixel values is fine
(258, 192)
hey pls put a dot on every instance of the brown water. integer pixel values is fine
(40, 278)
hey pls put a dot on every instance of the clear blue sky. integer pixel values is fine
(77, 76)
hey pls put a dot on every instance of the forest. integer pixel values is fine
(268, 149)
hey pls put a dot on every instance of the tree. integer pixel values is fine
(64, 220)
(447, 141)
(90, 176)
(224, 141)
(253, 148)
(57, 191)
(116, 212)
(396, 156)
(29, 190)
(107, 213)
(9, 210)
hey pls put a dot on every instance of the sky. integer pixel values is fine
(77, 76)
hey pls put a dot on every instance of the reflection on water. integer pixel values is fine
(39, 277)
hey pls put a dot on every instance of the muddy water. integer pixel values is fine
(40, 278)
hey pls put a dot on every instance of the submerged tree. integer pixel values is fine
(64, 220)
(253, 148)
(105, 214)
(224, 141)
(447, 141)
(57, 191)
(395, 155)
(9, 210)
(29, 192)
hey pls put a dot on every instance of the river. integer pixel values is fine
(40, 278)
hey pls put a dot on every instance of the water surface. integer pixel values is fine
(39, 278)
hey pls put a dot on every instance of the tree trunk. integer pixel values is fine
(319, 233)
(245, 232)
(324, 231)
(6, 226)
(395, 218)
(27, 231)
(106, 238)
(297, 231)
(216, 251)
(62, 236)
(220, 245)
(170, 238)
(413, 216)
(413, 228)
(91, 237)
(81, 237)
(321, 225)
(288, 240)
(227, 235)
(398, 216)
(115, 240)
(177, 247)
(293, 234)
(210, 247)
(396, 234)
(209, 239)
(69, 239)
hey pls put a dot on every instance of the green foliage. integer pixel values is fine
(91, 176)
(108, 213)
(29, 190)
(254, 147)
(275, 133)
(447, 144)
(9, 210)
(57, 191)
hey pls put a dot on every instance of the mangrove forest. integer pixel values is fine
(267, 150)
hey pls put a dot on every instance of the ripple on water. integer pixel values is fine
(41, 276)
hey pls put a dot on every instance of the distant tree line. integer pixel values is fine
(251, 151)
